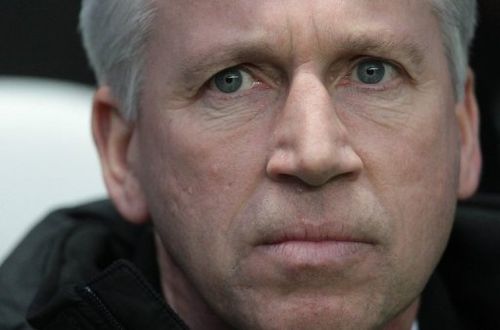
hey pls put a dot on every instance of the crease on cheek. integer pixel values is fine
(394, 114)
(420, 167)
(227, 121)
(164, 168)
(241, 113)
(187, 164)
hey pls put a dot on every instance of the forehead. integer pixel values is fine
(195, 23)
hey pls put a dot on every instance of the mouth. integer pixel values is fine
(316, 246)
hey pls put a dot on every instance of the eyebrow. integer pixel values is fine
(222, 56)
(387, 46)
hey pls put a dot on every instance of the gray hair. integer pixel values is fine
(458, 20)
(115, 35)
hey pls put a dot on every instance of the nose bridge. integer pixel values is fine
(309, 109)
(310, 140)
(312, 127)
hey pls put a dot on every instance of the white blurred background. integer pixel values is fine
(47, 156)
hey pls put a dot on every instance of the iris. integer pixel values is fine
(228, 81)
(371, 72)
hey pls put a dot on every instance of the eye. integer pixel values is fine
(231, 80)
(372, 72)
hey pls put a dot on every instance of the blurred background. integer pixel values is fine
(47, 157)
(46, 152)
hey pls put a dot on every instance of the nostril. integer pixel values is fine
(300, 185)
(313, 168)
(296, 183)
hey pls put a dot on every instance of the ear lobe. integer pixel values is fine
(470, 151)
(114, 138)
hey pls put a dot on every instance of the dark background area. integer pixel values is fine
(485, 59)
(40, 38)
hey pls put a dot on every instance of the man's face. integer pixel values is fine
(311, 185)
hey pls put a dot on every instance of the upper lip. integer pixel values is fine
(316, 233)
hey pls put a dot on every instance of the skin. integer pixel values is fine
(305, 149)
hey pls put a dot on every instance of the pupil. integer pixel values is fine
(229, 81)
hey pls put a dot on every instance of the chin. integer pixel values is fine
(313, 313)
(318, 318)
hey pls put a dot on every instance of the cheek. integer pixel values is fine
(412, 168)
(196, 181)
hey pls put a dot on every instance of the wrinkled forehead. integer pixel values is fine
(190, 26)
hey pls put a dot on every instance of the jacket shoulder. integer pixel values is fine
(471, 264)
(42, 250)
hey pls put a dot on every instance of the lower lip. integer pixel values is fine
(322, 253)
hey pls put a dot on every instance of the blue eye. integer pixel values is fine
(371, 72)
(229, 80)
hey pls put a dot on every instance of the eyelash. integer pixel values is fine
(398, 71)
(257, 84)
(257, 94)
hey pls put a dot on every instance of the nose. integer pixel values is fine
(310, 142)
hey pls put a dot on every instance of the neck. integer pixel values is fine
(405, 320)
(181, 296)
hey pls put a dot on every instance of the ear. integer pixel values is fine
(114, 138)
(470, 151)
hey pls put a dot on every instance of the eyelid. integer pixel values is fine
(389, 69)
(368, 58)
(252, 98)
(211, 82)
(263, 76)
(397, 70)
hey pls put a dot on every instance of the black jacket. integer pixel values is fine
(80, 267)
